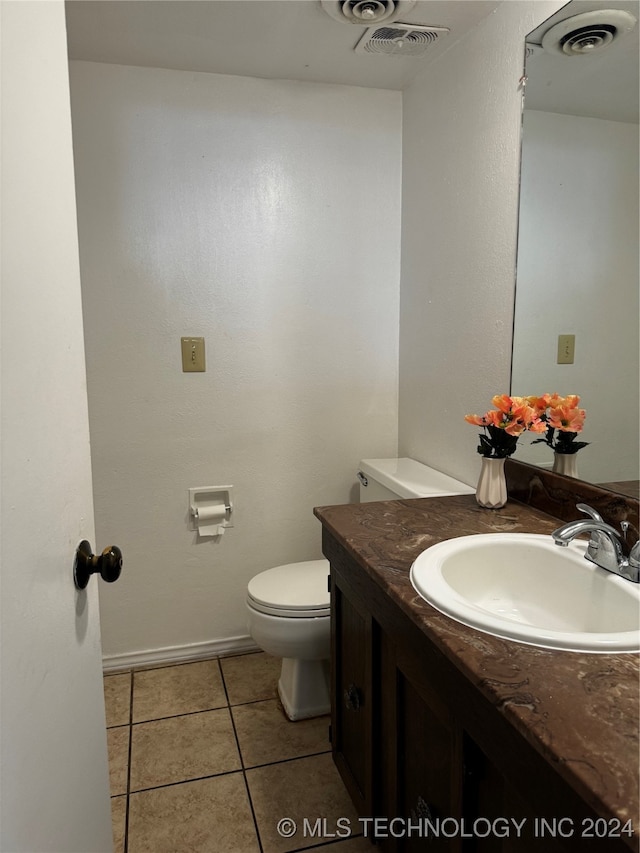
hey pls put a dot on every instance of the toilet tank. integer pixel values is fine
(390, 479)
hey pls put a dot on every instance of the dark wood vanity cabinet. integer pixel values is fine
(393, 741)
(412, 738)
(394, 747)
(352, 697)
(419, 749)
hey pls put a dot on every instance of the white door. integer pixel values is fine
(54, 773)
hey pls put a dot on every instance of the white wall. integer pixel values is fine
(578, 274)
(265, 216)
(461, 132)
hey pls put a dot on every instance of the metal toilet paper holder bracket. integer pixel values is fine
(204, 497)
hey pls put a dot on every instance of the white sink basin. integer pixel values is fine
(523, 587)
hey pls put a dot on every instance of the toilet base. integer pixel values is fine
(304, 688)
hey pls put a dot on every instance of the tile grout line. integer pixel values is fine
(241, 769)
(244, 773)
(184, 714)
(186, 781)
(126, 813)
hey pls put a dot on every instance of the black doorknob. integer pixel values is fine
(86, 563)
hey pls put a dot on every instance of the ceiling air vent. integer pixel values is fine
(366, 12)
(588, 33)
(400, 39)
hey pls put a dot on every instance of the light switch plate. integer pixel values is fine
(566, 348)
(193, 355)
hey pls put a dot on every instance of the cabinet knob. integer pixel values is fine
(352, 698)
(86, 563)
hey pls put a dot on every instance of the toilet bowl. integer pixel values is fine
(288, 606)
(289, 618)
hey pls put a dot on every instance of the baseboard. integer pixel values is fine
(178, 654)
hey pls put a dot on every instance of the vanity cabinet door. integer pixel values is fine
(421, 758)
(352, 700)
(530, 812)
(490, 797)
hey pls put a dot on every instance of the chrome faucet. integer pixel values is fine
(606, 546)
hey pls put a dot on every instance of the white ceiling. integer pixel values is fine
(298, 40)
(278, 39)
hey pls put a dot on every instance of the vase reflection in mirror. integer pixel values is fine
(565, 463)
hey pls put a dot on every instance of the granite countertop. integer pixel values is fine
(579, 711)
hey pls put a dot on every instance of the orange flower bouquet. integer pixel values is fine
(563, 420)
(505, 424)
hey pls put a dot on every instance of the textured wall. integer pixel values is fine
(265, 216)
(461, 155)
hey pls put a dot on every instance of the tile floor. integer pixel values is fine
(202, 759)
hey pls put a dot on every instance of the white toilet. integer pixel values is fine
(288, 605)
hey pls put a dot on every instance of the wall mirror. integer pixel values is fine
(577, 267)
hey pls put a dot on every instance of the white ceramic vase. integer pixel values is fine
(491, 491)
(566, 463)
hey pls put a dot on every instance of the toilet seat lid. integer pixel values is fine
(293, 588)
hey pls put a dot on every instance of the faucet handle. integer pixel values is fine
(632, 571)
(590, 511)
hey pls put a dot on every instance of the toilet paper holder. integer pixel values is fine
(207, 500)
